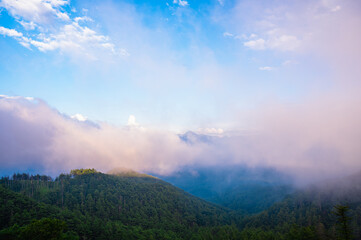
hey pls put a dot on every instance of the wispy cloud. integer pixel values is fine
(182, 3)
(274, 42)
(266, 68)
(24, 41)
(56, 29)
(36, 11)
(79, 117)
(28, 25)
(258, 44)
(10, 32)
(211, 131)
(308, 30)
(227, 34)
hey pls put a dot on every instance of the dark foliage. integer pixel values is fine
(101, 206)
(87, 204)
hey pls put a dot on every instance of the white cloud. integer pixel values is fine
(16, 97)
(79, 117)
(252, 35)
(317, 140)
(296, 27)
(221, 2)
(10, 32)
(227, 34)
(120, 52)
(211, 131)
(323, 29)
(330, 5)
(336, 9)
(28, 25)
(124, 52)
(70, 36)
(38, 136)
(281, 43)
(85, 18)
(259, 44)
(182, 3)
(132, 122)
(240, 37)
(36, 11)
(266, 68)
(25, 44)
(288, 62)
(133, 125)
(24, 41)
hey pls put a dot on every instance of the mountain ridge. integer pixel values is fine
(95, 205)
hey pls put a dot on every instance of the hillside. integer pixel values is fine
(100, 206)
(313, 208)
(19, 218)
(246, 190)
(87, 204)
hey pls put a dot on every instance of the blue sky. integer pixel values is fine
(112, 83)
(171, 64)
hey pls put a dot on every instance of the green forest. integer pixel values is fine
(87, 204)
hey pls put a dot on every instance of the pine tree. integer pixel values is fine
(343, 222)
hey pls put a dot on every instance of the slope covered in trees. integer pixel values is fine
(316, 209)
(87, 204)
(101, 206)
(244, 189)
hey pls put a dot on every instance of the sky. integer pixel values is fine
(113, 83)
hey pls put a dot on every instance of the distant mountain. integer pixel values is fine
(246, 189)
(193, 138)
(249, 190)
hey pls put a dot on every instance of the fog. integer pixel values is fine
(311, 142)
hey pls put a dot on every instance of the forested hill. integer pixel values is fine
(102, 206)
(247, 190)
(314, 209)
(86, 204)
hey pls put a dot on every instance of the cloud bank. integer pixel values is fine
(33, 135)
(308, 143)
